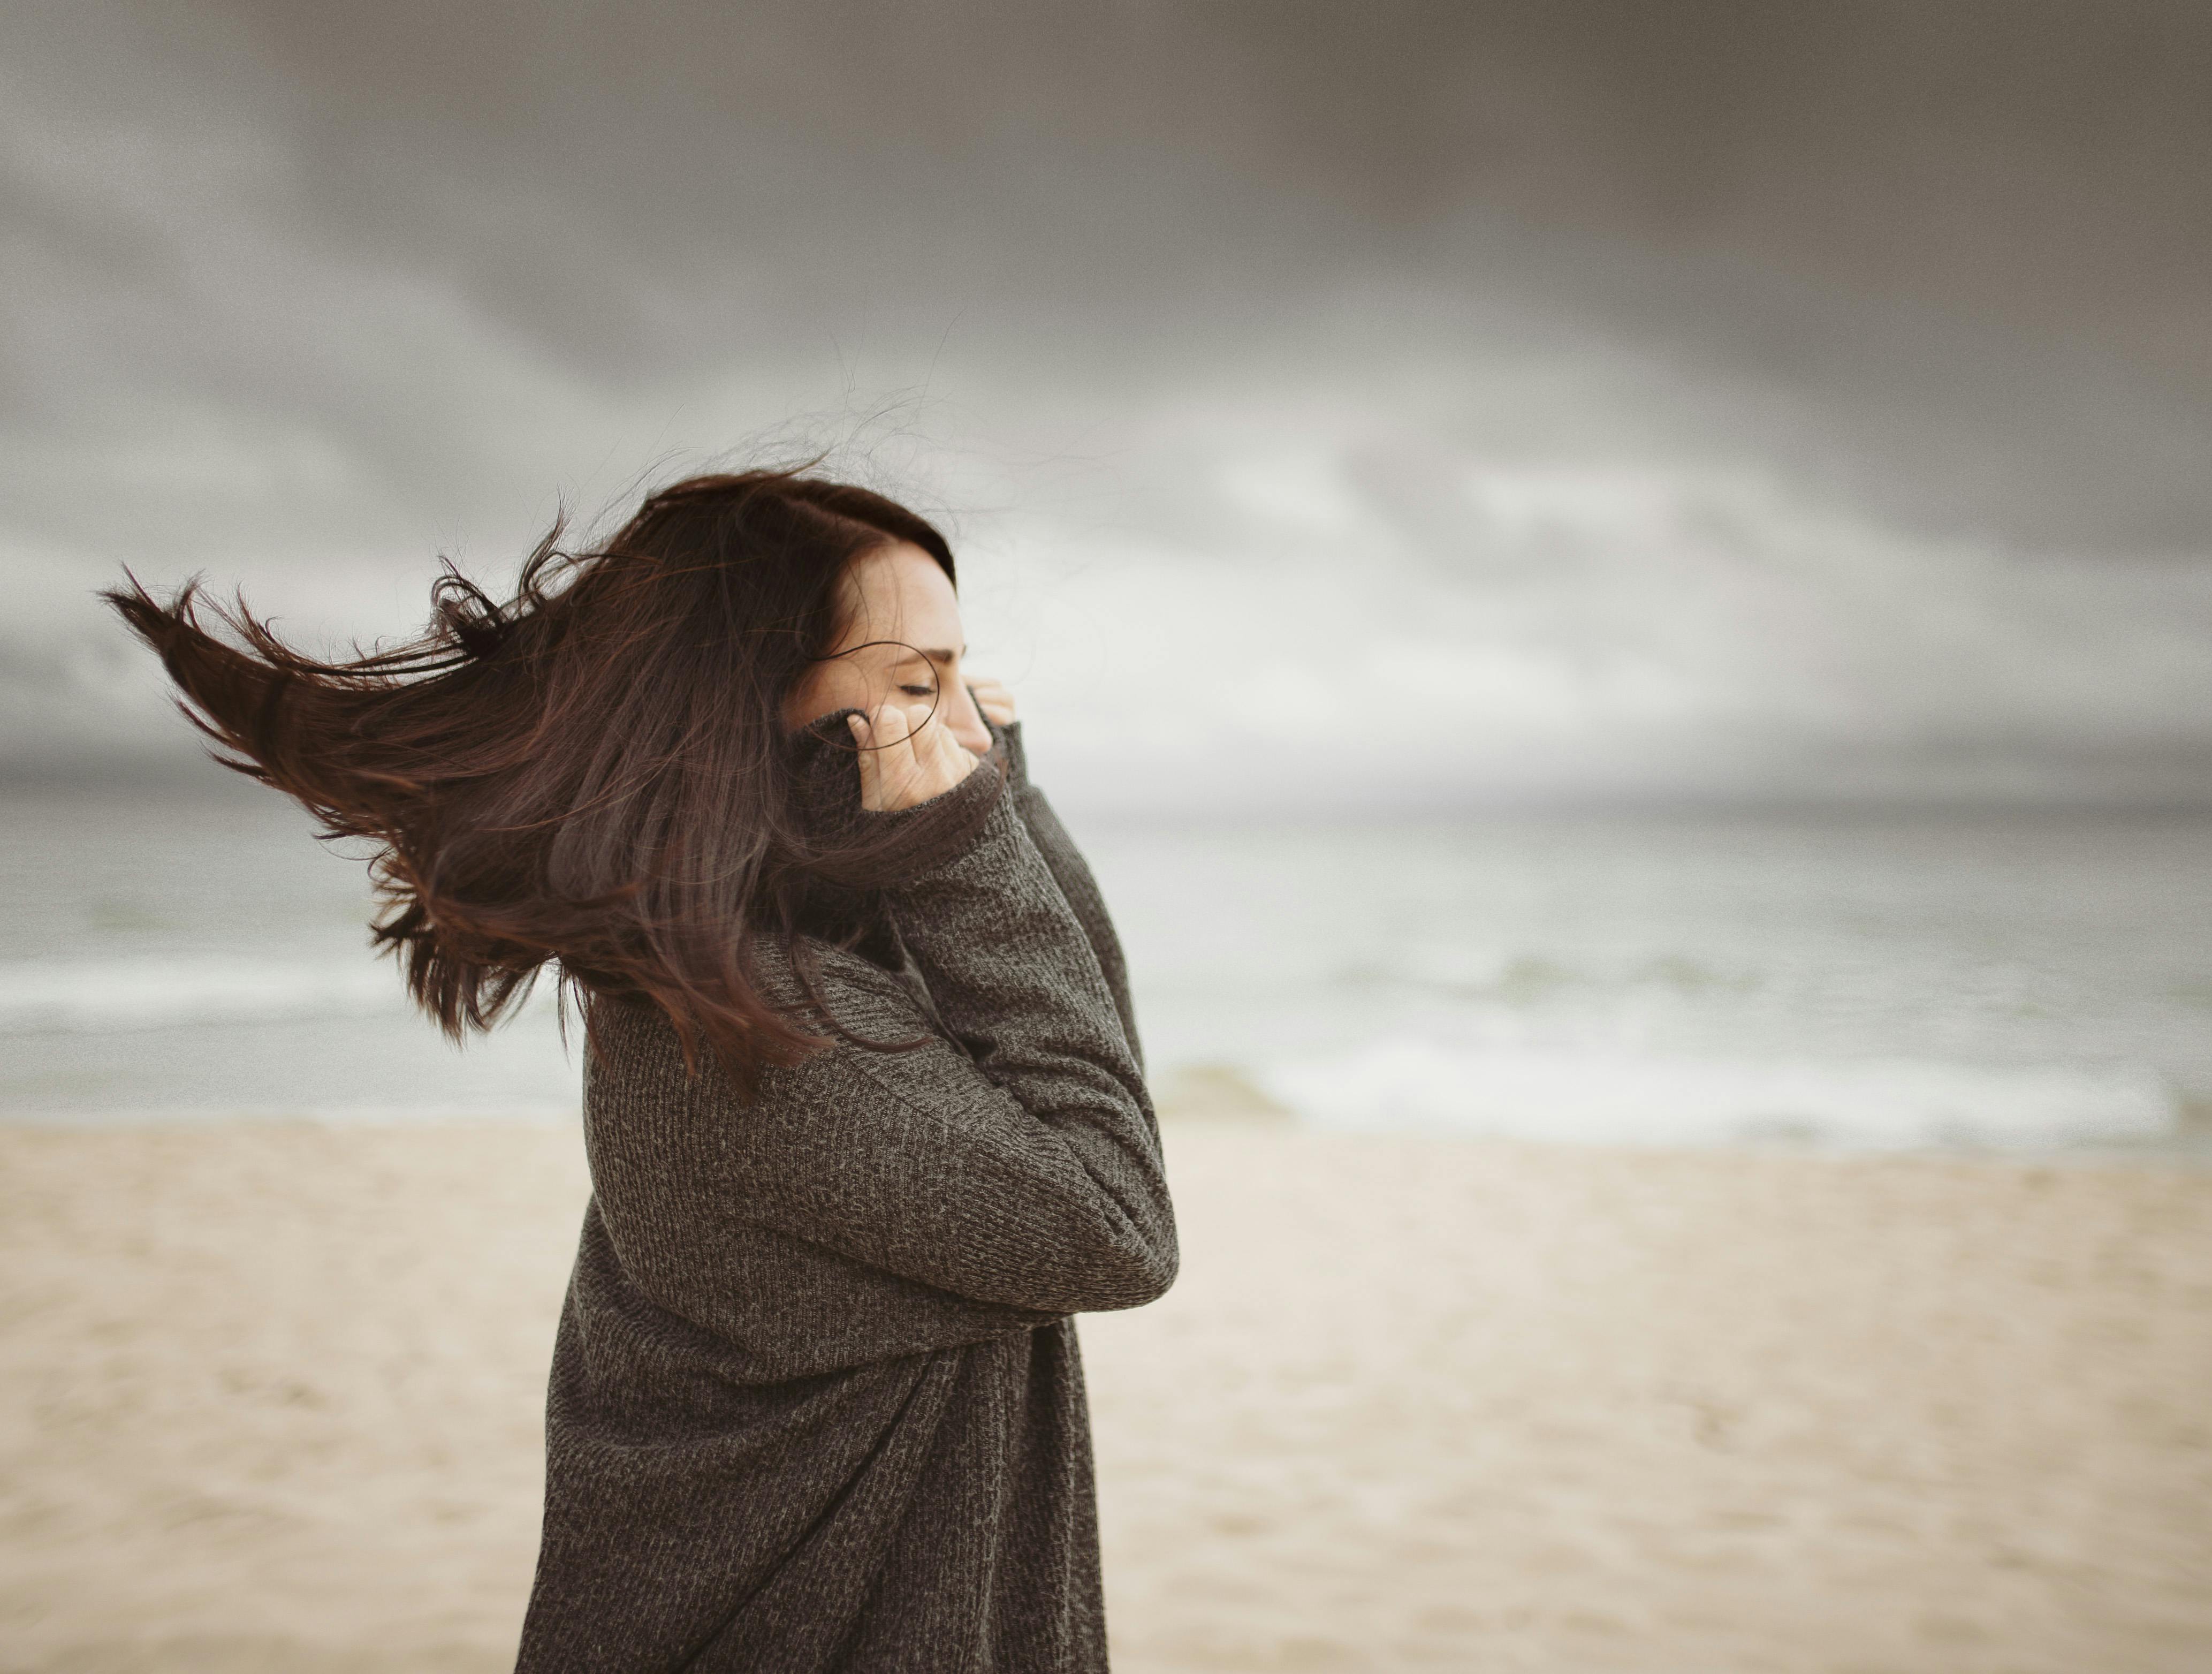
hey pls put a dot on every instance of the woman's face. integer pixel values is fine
(900, 641)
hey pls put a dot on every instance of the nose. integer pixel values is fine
(966, 721)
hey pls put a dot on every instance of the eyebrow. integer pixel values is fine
(937, 656)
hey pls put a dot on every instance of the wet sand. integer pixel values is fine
(269, 1398)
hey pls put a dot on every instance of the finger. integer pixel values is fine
(993, 699)
(889, 723)
(871, 768)
(935, 750)
(941, 760)
(953, 760)
(902, 767)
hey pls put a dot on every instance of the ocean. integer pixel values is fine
(2030, 981)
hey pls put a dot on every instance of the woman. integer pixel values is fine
(863, 1100)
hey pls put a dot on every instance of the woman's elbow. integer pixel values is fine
(1128, 1274)
(1155, 1275)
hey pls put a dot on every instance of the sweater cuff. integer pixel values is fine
(988, 856)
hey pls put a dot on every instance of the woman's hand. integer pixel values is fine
(993, 699)
(903, 759)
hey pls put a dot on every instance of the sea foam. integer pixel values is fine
(97, 996)
(1616, 1097)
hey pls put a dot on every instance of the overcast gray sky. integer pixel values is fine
(1467, 401)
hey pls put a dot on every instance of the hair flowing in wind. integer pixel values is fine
(595, 771)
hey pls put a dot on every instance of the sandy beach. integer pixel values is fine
(272, 1402)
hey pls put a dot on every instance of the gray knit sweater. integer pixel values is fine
(816, 1400)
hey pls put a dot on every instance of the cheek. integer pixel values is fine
(823, 690)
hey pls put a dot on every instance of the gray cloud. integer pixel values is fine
(303, 294)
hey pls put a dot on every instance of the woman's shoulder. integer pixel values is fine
(793, 972)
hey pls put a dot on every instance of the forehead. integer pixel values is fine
(900, 587)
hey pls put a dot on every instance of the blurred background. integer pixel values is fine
(1630, 574)
(1589, 571)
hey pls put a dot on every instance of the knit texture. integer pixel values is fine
(816, 1400)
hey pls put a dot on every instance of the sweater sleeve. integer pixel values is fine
(1020, 1168)
(1072, 873)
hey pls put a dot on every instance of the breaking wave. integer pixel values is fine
(1623, 1098)
(48, 996)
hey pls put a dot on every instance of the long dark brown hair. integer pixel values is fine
(596, 771)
